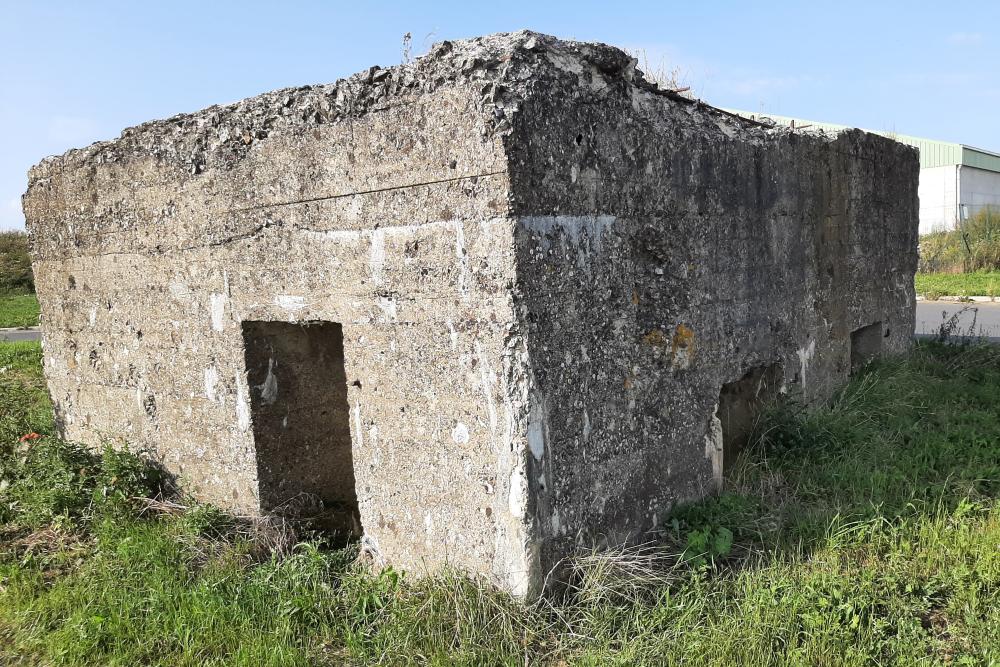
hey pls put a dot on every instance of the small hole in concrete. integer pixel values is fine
(866, 345)
(301, 426)
(740, 403)
(579, 139)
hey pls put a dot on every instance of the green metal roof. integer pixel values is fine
(932, 153)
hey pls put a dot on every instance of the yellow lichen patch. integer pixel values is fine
(682, 346)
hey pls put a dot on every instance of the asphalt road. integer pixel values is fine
(970, 319)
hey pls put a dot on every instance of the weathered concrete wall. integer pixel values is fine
(381, 211)
(544, 270)
(664, 251)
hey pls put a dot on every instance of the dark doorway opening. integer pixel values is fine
(740, 403)
(866, 345)
(301, 422)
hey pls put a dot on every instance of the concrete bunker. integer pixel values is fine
(300, 419)
(543, 266)
(866, 345)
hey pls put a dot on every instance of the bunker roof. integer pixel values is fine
(507, 67)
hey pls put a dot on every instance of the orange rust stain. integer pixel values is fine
(656, 338)
(683, 341)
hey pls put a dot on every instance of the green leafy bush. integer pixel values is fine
(15, 264)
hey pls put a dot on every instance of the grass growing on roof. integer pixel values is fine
(865, 532)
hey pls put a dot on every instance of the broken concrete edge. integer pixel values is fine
(198, 134)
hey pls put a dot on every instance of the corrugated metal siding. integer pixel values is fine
(980, 159)
(932, 153)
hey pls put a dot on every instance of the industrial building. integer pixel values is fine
(956, 181)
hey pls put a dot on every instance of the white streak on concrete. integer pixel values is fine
(211, 380)
(290, 302)
(554, 522)
(460, 434)
(376, 260)
(387, 305)
(805, 356)
(218, 309)
(582, 231)
(357, 423)
(714, 448)
(536, 426)
(336, 235)
(242, 403)
(517, 497)
(486, 379)
(463, 260)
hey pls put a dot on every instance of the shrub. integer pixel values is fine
(15, 264)
(975, 246)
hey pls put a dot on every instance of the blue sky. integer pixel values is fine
(76, 72)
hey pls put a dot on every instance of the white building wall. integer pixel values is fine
(980, 188)
(938, 204)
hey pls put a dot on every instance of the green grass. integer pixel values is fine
(980, 283)
(866, 532)
(18, 310)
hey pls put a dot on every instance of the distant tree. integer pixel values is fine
(15, 264)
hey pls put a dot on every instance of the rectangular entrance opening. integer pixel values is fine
(866, 345)
(300, 418)
(740, 403)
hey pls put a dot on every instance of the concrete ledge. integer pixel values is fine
(961, 299)
(20, 334)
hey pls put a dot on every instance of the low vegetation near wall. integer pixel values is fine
(864, 532)
(979, 283)
(18, 305)
(963, 261)
(15, 264)
(974, 246)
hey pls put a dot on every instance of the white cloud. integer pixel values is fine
(965, 38)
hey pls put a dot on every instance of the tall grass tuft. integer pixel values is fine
(973, 246)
